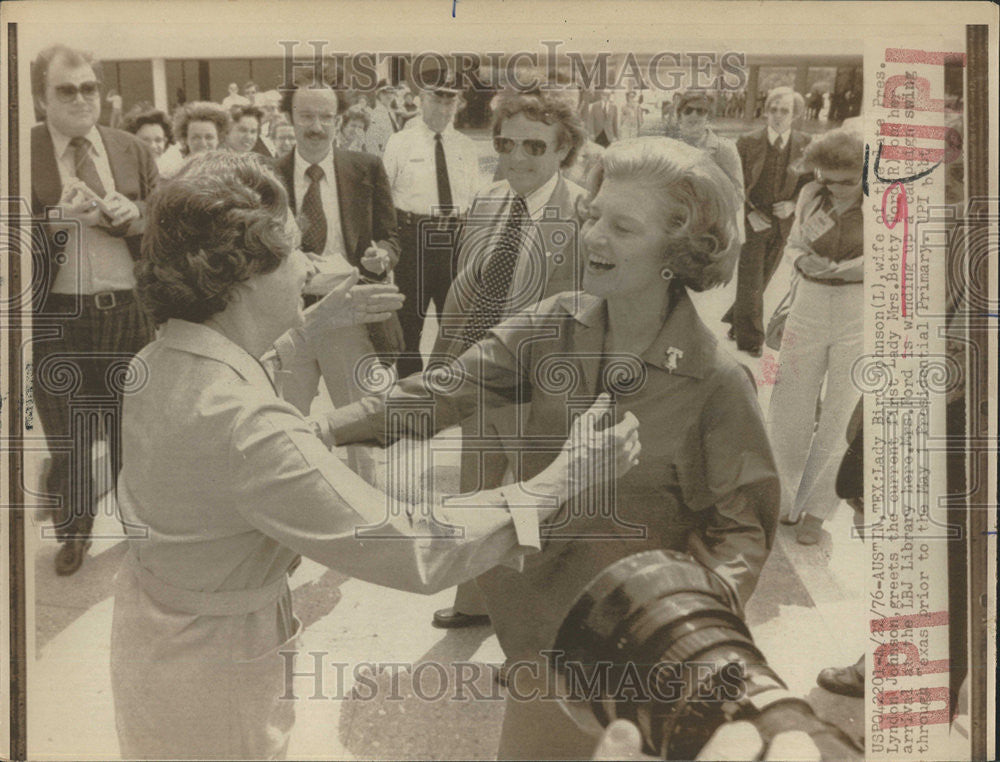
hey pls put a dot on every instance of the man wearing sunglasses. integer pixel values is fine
(772, 176)
(97, 180)
(518, 246)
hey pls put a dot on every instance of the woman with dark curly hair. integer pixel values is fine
(198, 126)
(245, 129)
(823, 335)
(660, 221)
(226, 485)
(152, 128)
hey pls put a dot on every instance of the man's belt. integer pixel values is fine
(102, 300)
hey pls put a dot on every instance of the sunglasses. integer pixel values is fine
(68, 93)
(826, 181)
(688, 110)
(531, 147)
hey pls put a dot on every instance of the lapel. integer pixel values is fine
(285, 167)
(114, 148)
(350, 196)
(796, 145)
(758, 151)
(46, 185)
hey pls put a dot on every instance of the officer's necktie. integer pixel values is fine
(313, 220)
(86, 170)
(491, 292)
(441, 167)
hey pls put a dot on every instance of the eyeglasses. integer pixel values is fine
(688, 110)
(530, 146)
(68, 93)
(826, 181)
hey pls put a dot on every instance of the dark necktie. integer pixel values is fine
(778, 144)
(441, 167)
(86, 170)
(492, 291)
(313, 220)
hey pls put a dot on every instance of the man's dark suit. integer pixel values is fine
(366, 215)
(761, 252)
(93, 336)
(559, 267)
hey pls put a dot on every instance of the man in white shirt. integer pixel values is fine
(87, 324)
(434, 173)
(384, 122)
(344, 211)
(233, 97)
(518, 246)
(772, 177)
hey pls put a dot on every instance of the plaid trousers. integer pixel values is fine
(81, 349)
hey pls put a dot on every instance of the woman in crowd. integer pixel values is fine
(245, 129)
(232, 484)
(823, 334)
(353, 126)
(693, 109)
(152, 128)
(661, 220)
(631, 116)
(283, 137)
(198, 126)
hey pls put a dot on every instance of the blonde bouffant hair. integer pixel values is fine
(699, 203)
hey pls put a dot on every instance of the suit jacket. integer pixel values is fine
(596, 121)
(752, 148)
(560, 269)
(134, 169)
(366, 214)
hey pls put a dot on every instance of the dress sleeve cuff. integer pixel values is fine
(523, 507)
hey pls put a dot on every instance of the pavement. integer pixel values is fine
(804, 616)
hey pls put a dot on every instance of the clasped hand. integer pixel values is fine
(351, 303)
(114, 211)
(599, 450)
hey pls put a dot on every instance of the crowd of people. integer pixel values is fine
(240, 253)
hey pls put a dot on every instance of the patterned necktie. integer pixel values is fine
(313, 220)
(441, 167)
(86, 170)
(778, 144)
(492, 290)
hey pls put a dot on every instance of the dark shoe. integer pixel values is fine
(787, 519)
(449, 619)
(844, 681)
(754, 351)
(70, 556)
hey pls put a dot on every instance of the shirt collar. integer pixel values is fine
(772, 136)
(539, 198)
(422, 125)
(199, 339)
(60, 142)
(682, 347)
(301, 165)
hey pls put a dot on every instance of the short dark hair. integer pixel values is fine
(238, 112)
(200, 111)
(219, 221)
(330, 79)
(357, 112)
(838, 149)
(135, 120)
(43, 61)
(548, 107)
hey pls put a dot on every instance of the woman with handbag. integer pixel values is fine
(823, 334)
